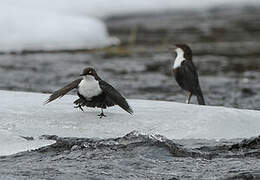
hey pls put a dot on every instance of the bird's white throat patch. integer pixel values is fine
(89, 87)
(179, 58)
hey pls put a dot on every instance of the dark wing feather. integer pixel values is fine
(115, 96)
(190, 76)
(61, 92)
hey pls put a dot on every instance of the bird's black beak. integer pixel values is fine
(82, 74)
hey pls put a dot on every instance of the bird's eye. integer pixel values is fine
(90, 72)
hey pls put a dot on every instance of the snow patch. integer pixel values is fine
(23, 114)
(29, 29)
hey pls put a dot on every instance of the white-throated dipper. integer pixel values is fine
(93, 92)
(185, 72)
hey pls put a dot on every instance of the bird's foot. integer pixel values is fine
(188, 98)
(79, 106)
(102, 115)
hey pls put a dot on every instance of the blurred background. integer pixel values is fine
(45, 44)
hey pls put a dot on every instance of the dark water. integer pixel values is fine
(134, 156)
(226, 46)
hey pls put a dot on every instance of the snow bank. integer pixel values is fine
(32, 29)
(23, 114)
(67, 24)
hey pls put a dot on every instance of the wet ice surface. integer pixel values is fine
(226, 47)
(149, 150)
(29, 117)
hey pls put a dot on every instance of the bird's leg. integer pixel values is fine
(79, 106)
(79, 103)
(188, 99)
(101, 114)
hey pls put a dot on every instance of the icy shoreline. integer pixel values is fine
(23, 114)
(67, 25)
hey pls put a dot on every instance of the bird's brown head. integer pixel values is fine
(185, 48)
(89, 71)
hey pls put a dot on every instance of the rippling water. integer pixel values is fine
(226, 45)
(135, 156)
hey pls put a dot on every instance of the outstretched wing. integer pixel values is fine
(115, 96)
(61, 92)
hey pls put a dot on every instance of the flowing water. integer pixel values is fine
(135, 156)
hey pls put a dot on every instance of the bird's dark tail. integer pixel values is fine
(126, 107)
(200, 99)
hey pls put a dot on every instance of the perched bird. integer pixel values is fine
(185, 72)
(93, 92)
